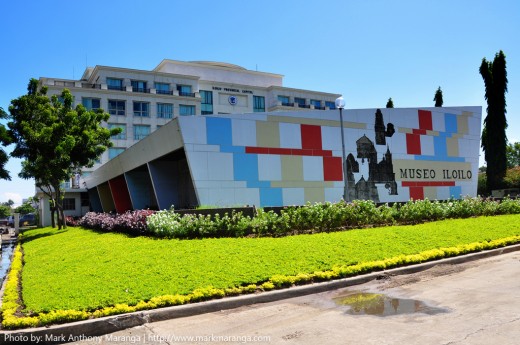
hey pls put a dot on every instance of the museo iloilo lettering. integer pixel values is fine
(434, 174)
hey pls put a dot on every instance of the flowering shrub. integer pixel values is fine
(72, 221)
(318, 217)
(130, 222)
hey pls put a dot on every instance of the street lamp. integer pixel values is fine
(340, 104)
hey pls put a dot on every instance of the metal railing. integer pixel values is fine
(114, 87)
(90, 86)
(140, 89)
(187, 94)
(164, 92)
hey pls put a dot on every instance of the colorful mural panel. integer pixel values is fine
(275, 159)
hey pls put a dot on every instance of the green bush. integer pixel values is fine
(318, 217)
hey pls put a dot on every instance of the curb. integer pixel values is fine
(83, 330)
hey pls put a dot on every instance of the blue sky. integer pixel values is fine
(366, 50)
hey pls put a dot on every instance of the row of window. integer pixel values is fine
(142, 86)
(302, 102)
(140, 131)
(142, 109)
(207, 96)
(164, 110)
(207, 103)
(69, 204)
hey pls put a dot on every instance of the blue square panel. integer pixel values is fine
(440, 148)
(218, 131)
(456, 192)
(245, 167)
(450, 121)
(271, 197)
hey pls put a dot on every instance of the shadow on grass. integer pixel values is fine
(123, 233)
(34, 234)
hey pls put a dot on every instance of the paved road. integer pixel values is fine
(471, 303)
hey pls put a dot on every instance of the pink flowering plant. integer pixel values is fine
(130, 222)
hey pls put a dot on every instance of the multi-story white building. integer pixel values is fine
(140, 101)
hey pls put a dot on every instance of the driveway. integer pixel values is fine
(474, 303)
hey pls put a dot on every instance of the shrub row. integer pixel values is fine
(322, 218)
(311, 218)
(10, 300)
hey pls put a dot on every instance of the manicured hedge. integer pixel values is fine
(311, 218)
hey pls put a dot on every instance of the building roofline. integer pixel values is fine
(303, 90)
(216, 65)
(152, 72)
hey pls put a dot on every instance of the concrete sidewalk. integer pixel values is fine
(480, 296)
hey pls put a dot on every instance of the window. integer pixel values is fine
(115, 151)
(330, 105)
(299, 101)
(91, 103)
(184, 90)
(163, 89)
(185, 110)
(121, 135)
(284, 100)
(138, 86)
(116, 107)
(141, 131)
(258, 104)
(115, 84)
(85, 201)
(69, 204)
(164, 110)
(141, 109)
(206, 106)
(316, 103)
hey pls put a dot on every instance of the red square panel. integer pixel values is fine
(413, 144)
(311, 136)
(332, 169)
(417, 193)
(425, 120)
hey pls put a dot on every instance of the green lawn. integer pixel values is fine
(85, 270)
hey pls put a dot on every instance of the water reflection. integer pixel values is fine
(364, 303)
(5, 262)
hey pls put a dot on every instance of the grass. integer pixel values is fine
(86, 270)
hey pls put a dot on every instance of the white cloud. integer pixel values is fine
(17, 198)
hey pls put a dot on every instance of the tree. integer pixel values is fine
(25, 208)
(390, 103)
(5, 211)
(8, 203)
(4, 140)
(513, 155)
(55, 140)
(438, 97)
(494, 139)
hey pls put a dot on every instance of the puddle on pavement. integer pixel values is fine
(364, 303)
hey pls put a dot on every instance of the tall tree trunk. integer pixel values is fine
(53, 211)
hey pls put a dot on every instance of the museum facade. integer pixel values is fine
(291, 158)
(211, 133)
